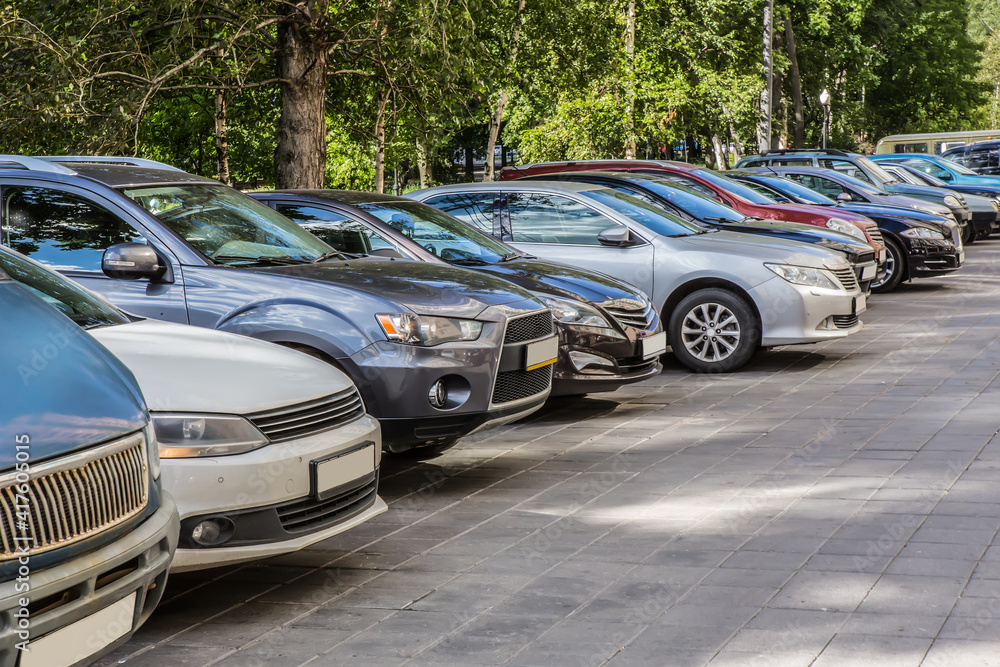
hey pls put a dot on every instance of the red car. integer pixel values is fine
(711, 183)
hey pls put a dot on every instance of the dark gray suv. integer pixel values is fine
(435, 351)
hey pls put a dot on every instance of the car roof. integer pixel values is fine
(527, 186)
(611, 164)
(338, 196)
(120, 176)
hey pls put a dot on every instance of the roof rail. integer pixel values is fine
(109, 159)
(786, 151)
(32, 164)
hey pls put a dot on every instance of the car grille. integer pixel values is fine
(74, 498)
(311, 417)
(529, 327)
(635, 365)
(845, 321)
(515, 385)
(629, 313)
(846, 278)
(309, 514)
(875, 234)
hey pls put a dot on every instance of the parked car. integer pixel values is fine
(86, 534)
(716, 186)
(265, 450)
(920, 244)
(609, 333)
(687, 204)
(949, 171)
(435, 351)
(980, 157)
(864, 169)
(724, 295)
(984, 210)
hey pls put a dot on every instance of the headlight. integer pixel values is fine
(153, 451)
(952, 202)
(189, 436)
(411, 329)
(844, 227)
(922, 233)
(577, 313)
(801, 275)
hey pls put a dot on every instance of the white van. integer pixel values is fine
(935, 142)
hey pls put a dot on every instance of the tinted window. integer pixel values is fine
(798, 191)
(543, 218)
(340, 232)
(732, 187)
(649, 215)
(72, 301)
(925, 166)
(691, 202)
(844, 167)
(824, 186)
(63, 230)
(471, 208)
(688, 183)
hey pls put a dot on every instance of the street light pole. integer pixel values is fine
(824, 100)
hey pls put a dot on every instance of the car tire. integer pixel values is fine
(968, 238)
(427, 452)
(703, 353)
(895, 268)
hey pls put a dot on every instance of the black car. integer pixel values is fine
(982, 157)
(696, 207)
(920, 244)
(609, 332)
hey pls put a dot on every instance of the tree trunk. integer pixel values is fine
(799, 133)
(300, 155)
(380, 143)
(764, 130)
(779, 110)
(221, 142)
(470, 167)
(424, 164)
(721, 162)
(497, 119)
(630, 81)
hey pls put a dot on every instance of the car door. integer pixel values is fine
(559, 228)
(69, 229)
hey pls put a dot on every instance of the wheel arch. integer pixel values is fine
(693, 286)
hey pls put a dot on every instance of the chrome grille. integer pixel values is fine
(305, 419)
(846, 278)
(638, 317)
(529, 327)
(845, 321)
(876, 235)
(74, 497)
(515, 385)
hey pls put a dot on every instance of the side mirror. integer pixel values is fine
(614, 236)
(386, 252)
(944, 175)
(843, 198)
(132, 261)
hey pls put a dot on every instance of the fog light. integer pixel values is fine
(438, 395)
(583, 359)
(212, 532)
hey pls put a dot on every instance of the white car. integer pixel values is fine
(265, 450)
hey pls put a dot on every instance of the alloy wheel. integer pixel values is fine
(710, 332)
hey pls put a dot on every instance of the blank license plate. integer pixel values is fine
(860, 304)
(654, 345)
(542, 353)
(868, 272)
(82, 639)
(344, 469)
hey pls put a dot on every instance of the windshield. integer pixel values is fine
(227, 226)
(733, 187)
(440, 233)
(877, 173)
(649, 216)
(956, 167)
(693, 203)
(74, 302)
(797, 191)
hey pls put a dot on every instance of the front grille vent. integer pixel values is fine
(311, 514)
(876, 235)
(515, 385)
(529, 327)
(305, 419)
(639, 317)
(847, 279)
(74, 498)
(845, 321)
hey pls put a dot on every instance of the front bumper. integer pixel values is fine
(85, 586)
(923, 264)
(614, 362)
(249, 489)
(792, 314)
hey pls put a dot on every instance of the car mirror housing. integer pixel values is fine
(132, 261)
(843, 197)
(615, 236)
(944, 175)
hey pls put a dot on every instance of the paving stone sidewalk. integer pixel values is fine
(833, 504)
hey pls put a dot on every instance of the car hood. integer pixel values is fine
(561, 280)
(822, 236)
(918, 191)
(66, 392)
(423, 287)
(822, 212)
(181, 368)
(879, 210)
(765, 248)
(978, 204)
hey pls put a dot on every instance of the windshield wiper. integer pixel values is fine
(510, 257)
(335, 254)
(469, 261)
(723, 220)
(263, 259)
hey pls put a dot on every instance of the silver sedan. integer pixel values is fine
(723, 295)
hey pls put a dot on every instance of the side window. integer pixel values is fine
(821, 185)
(791, 162)
(688, 182)
(923, 165)
(844, 167)
(471, 208)
(61, 229)
(335, 229)
(541, 218)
